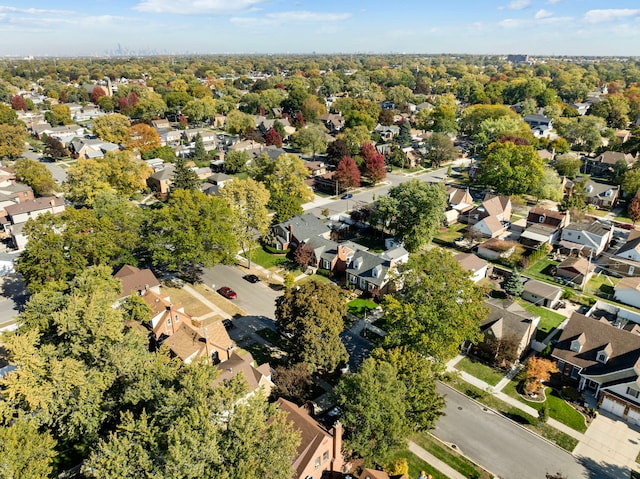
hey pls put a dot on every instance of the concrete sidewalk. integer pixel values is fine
(426, 456)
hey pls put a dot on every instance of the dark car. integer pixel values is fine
(252, 278)
(228, 292)
(346, 196)
(228, 324)
(627, 226)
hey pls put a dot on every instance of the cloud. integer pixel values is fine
(33, 11)
(299, 16)
(610, 14)
(516, 5)
(197, 7)
(553, 2)
(542, 13)
(511, 23)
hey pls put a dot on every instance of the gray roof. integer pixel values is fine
(542, 289)
(594, 227)
(165, 173)
(368, 263)
(305, 226)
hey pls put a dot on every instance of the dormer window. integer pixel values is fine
(377, 271)
(602, 357)
(357, 264)
(576, 344)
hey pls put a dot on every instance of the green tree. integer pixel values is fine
(8, 116)
(412, 211)
(404, 136)
(582, 131)
(238, 122)
(36, 175)
(311, 140)
(473, 116)
(184, 178)
(631, 181)
(494, 129)
(550, 186)
(423, 404)
(12, 139)
(85, 179)
(285, 207)
(354, 138)
(236, 161)
(53, 148)
(440, 149)
(26, 453)
(283, 177)
(614, 109)
(513, 285)
(511, 169)
(311, 319)
(568, 165)
(439, 307)
(58, 115)
(191, 231)
(248, 201)
(113, 127)
(373, 412)
(199, 152)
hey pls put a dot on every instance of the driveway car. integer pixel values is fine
(252, 278)
(346, 196)
(228, 292)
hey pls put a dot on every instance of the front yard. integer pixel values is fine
(359, 306)
(480, 370)
(268, 260)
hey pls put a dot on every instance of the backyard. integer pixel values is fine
(480, 370)
(549, 320)
(450, 234)
(601, 285)
(542, 268)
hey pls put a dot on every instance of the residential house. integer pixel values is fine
(387, 133)
(543, 226)
(186, 338)
(587, 238)
(494, 249)
(161, 180)
(626, 261)
(541, 293)
(496, 206)
(604, 361)
(459, 199)
(604, 163)
(334, 123)
(330, 255)
(600, 194)
(215, 183)
(209, 137)
(19, 213)
(540, 125)
(477, 267)
(298, 230)
(315, 168)
(372, 273)
(508, 321)
(65, 133)
(257, 378)
(490, 227)
(577, 270)
(88, 112)
(136, 281)
(320, 449)
(627, 291)
(84, 148)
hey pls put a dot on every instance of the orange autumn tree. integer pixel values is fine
(538, 370)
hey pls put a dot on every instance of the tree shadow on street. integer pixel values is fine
(603, 470)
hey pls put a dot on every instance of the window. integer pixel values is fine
(316, 464)
(325, 456)
(574, 373)
(561, 366)
(169, 320)
(602, 357)
(541, 219)
(633, 392)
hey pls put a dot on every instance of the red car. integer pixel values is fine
(627, 226)
(228, 292)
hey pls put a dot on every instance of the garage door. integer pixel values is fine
(612, 406)
(633, 417)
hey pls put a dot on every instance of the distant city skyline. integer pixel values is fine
(112, 27)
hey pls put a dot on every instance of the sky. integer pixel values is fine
(107, 27)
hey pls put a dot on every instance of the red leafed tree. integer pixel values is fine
(304, 256)
(272, 137)
(374, 166)
(18, 103)
(633, 210)
(298, 120)
(97, 93)
(347, 173)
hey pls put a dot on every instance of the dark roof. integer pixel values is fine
(305, 226)
(369, 264)
(542, 289)
(632, 243)
(595, 336)
(135, 279)
(507, 318)
(594, 227)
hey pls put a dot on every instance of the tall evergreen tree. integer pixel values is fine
(184, 178)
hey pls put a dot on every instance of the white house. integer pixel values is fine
(627, 291)
(590, 238)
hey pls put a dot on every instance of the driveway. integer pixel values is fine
(612, 441)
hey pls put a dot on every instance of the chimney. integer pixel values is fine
(337, 461)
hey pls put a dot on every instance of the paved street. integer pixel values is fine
(506, 449)
(12, 298)
(255, 299)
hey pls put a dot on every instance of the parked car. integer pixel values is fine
(252, 278)
(228, 292)
(627, 226)
(346, 196)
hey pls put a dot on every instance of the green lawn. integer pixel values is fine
(559, 409)
(447, 455)
(318, 278)
(542, 267)
(358, 306)
(452, 233)
(480, 371)
(549, 320)
(601, 283)
(266, 259)
(561, 439)
(262, 354)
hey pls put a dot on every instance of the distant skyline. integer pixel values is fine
(111, 27)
